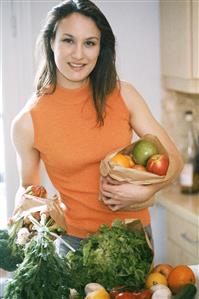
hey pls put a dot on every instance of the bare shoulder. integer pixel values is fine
(127, 88)
(22, 128)
(131, 96)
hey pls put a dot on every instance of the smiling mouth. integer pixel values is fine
(76, 66)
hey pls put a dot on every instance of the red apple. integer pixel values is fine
(158, 164)
(164, 269)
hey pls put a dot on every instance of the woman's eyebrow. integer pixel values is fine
(90, 37)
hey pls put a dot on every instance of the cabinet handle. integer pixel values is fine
(186, 238)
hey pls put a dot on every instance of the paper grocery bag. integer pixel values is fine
(135, 176)
(32, 204)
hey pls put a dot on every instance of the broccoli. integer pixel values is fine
(9, 258)
(4, 234)
(11, 254)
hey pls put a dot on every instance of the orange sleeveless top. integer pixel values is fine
(71, 146)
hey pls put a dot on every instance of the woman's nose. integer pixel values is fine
(78, 51)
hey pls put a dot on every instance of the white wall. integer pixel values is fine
(17, 77)
(136, 26)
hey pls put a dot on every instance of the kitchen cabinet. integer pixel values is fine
(179, 42)
(181, 226)
(182, 242)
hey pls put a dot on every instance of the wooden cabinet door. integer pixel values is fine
(179, 35)
(176, 39)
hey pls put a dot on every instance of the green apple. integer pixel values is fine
(143, 150)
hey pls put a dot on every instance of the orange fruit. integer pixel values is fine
(131, 162)
(122, 160)
(180, 276)
(155, 278)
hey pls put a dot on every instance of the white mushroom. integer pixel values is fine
(162, 294)
(23, 236)
(158, 286)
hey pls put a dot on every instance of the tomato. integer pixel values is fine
(114, 292)
(125, 295)
(158, 164)
(144, 294)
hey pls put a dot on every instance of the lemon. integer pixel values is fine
(155, 278)
(98, 294)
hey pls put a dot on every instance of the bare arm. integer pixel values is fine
(118, 196)
(28, 158)
(143, 122)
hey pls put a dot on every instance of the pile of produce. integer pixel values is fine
(114, 263)
(143, 155)
(112, 257)
(163, 282)
(43, 274)
(20, 231)
(168, 282)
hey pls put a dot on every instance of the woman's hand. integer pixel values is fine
(119, 195)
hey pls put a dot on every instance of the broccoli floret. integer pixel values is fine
(11, 254)
(4, 234)
(9, 257)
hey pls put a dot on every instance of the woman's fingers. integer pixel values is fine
(110, 201)
(115, 207)
(112, 181)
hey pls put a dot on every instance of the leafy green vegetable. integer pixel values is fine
(11, 254)
(112, 257)
(4, 234)
(42, 274)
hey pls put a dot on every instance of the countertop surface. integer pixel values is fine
(182, 204)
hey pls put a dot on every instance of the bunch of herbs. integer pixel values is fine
(113, 257)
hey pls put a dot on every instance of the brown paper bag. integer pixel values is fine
(135, 176)
(131, 175)
(33, 204)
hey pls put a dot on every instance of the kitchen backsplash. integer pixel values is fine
(174, 104)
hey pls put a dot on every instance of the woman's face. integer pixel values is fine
(76, 48)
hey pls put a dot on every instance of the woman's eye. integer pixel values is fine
(89, 43)
(68, 40)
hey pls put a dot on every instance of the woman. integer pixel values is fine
(81, 112)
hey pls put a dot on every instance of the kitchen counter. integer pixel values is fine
(182, 204)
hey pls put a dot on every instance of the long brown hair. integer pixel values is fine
(103, 78)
